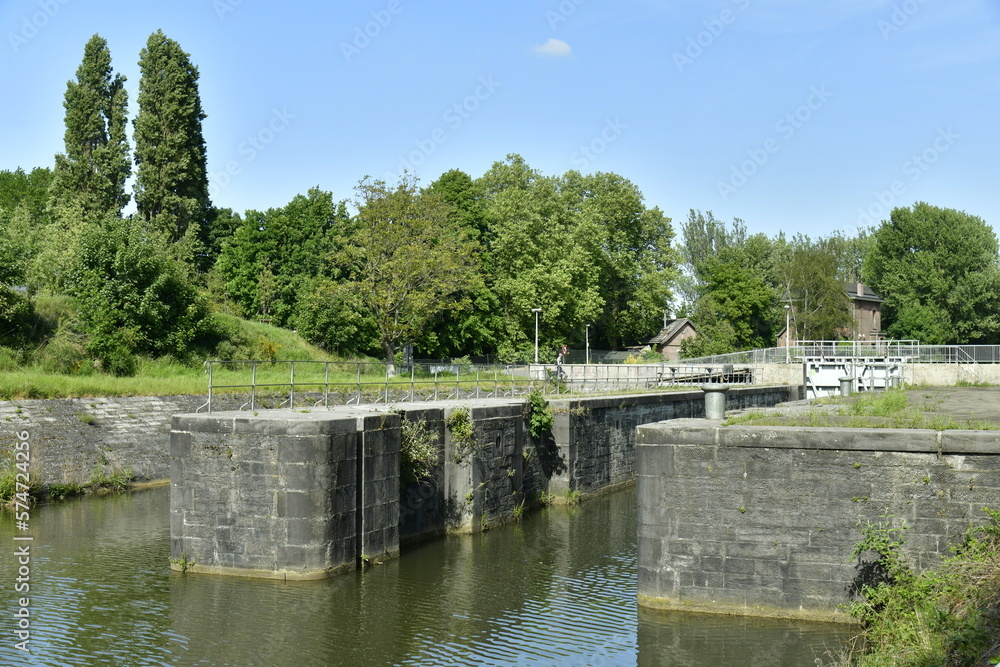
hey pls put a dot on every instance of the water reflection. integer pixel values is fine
(558, 589)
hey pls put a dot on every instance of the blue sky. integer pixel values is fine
(794, 116)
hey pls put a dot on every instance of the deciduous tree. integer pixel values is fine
(937, 270)
(406, 260)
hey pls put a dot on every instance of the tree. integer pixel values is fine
(704, 237)
(937, 270)
(736, 308)
(406, 260)
(171, 190)
(96, 164)
(811, 278)
(133, 296)
(288, 246)
(30, 191)
(630, 246)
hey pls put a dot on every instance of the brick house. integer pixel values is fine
(668, 341)
(866, 309)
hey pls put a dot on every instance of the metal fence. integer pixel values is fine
(911, 350)
(314, 384)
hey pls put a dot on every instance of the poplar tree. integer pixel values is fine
(92, 172)
(171, 191)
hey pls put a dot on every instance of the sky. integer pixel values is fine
(794, 116)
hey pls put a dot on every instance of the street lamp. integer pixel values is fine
(587, 333)
(788, 310)
(536, 311)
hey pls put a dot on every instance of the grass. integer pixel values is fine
(153, 377)
(887, 409)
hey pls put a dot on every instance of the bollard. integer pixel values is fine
(845, 385)
(715, 400)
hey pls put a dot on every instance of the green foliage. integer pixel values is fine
(947, 615)
(96, 164)
(407, 261)
(583, 248)
(419, 452)
(734, 311)
(937, 270)
(810, 275)
(540, 417)
(171, 189)
(463, 433)
(28, 191)
(117, 481)
(133, 297)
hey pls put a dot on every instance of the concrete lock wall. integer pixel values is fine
(763, 520)
(295, 494)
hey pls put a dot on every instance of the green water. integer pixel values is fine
(557, 589)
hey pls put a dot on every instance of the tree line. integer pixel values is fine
(453, 267)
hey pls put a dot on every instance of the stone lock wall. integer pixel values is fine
(762, 520)
(303, 494)
(283, 495)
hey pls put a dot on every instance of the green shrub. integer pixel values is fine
(64, 353)
(418, 452)
(463, 432)
(540, 419)
(947, 615)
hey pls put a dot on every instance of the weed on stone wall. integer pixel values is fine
(947, 615)
(462, 432)
(418, 452)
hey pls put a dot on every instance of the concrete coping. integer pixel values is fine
(711, 432)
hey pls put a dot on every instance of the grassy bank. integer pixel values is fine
(51, 371)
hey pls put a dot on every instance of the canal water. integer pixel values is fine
(557, 589)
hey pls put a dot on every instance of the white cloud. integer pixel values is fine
(555, 48)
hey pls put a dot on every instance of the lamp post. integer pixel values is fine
(587, 334)
(788, 310)
(536, 311)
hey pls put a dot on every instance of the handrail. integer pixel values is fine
(443, 381)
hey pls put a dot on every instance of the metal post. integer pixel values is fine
(412, 366)
(536, 311)
(326, 388)
(210, 364)
(587, 334)
(291, 386)
(253, 383)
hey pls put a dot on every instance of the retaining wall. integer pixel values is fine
(124, 434)
(762, 520)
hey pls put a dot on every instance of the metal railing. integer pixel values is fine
(913, 351)
(314, 384)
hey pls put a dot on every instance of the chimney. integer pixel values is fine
(861, 289)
